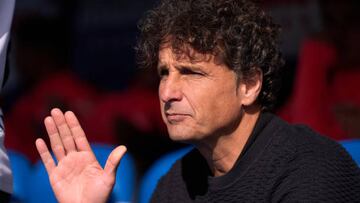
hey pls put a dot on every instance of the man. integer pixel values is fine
(6, 14)
(218, 63)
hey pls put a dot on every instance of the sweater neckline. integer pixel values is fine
(256, 143)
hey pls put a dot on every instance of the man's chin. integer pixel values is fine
(182, 133)
(178, 137)
(182, 137)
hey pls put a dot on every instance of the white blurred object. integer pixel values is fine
(6, 13)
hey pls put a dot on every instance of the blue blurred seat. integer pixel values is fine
(123, 191)
(39, 189)
(353, 147)
(156, 171)
(124, 188)
(21, 169)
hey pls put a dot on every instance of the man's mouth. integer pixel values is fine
(176, 117)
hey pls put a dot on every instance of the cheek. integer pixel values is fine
(196, 98)
(219, 104)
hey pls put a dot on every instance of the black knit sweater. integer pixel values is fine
(279, 163)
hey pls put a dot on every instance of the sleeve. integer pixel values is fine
(6, 13)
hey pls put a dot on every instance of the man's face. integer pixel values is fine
(198, 99)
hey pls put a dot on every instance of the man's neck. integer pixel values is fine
(222, 153)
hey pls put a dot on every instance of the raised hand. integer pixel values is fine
(78, 176)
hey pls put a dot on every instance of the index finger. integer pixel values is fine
(45, 155)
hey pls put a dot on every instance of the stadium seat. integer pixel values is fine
(21, 168)
(353, 147)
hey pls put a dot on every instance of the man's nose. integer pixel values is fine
(170, 89)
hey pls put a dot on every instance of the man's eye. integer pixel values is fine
(186, 71)
(163, 72)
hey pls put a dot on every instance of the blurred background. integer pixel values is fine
(78, 55)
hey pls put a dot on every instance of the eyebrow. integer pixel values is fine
(190, 66)
(179, 66)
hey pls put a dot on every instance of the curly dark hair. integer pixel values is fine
(238, 31)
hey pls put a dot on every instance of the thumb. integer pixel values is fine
(113, 160)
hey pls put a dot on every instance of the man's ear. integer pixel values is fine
(250, 89)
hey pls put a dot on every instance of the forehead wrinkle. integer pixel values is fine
(183, 59)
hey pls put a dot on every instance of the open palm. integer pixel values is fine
(78, 177)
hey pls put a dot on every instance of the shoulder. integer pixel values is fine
(315, 167)
(302, 140)
(304, 145)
